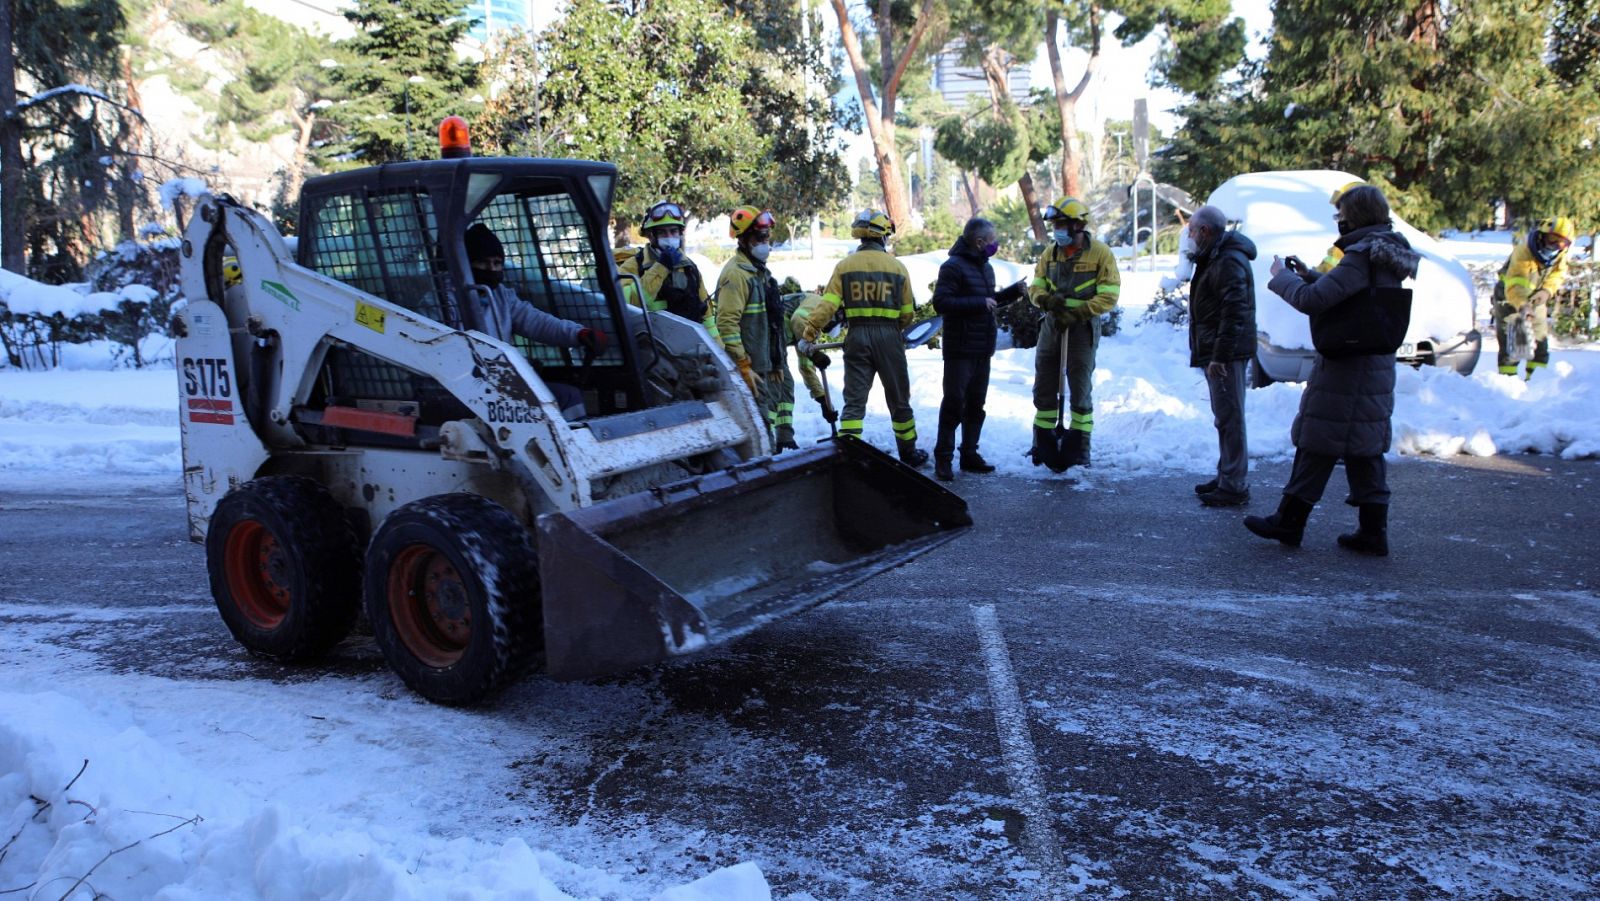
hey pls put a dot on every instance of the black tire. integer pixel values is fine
(1258, 376)
(285, 567)
(452, 592)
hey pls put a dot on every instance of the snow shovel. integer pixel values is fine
(1519, 338)
(1061, 447)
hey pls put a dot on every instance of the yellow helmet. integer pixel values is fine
(1340, 191)
(664, 213)
(1558, 225)
(741, 219)
(872, 224)
(1067, 208)
(231, 273)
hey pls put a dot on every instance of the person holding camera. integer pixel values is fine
(1222, 339)
(1348, 400)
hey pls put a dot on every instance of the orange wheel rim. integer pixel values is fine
(259, 574)
(429, 606)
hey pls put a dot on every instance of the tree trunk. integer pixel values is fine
(1067, 101)
(13, 188)
(996, 63)
(972, 195)
(880, 118)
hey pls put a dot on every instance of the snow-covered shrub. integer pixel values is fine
(128, 297)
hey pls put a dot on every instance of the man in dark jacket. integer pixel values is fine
(965, 297)
(1222, 339)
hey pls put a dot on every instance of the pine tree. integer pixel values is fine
(1448, 108)
(401, 75)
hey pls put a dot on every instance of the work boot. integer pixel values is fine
(913, 456)
(1373, 535)
(942, 470)
(1288, 525)
(972, 462)
(1041, 438)
(1206, 487)
(787, 444)
(1083, 452)
(1225, 498)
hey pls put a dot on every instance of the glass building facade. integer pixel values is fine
(499, 15)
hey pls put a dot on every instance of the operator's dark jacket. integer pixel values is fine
(1347, 403)
(961, 296)
(1222, 302)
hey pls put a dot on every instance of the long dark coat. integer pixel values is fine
(1348, 402)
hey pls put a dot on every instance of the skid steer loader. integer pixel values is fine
(353, 440)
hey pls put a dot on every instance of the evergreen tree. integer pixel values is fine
(401, 75)
(1446, 108)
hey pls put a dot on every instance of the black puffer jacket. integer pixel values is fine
(1347, 403)
(961, 296)
(1222, 302)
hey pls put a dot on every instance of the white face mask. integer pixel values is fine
(760, 252)
(1063, 237)
(670, 243)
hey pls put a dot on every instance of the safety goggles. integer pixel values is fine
(666, 209)
(765, 220)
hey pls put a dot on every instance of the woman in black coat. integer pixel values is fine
(965, 297)
(1347, 403)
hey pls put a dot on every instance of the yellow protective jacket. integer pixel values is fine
(872, 286)
(685, 281)
(1083, 278)
(746, 292)
(1524, 274)
(798, 307)
(1330, 259)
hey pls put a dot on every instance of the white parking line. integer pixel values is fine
(1022, 763)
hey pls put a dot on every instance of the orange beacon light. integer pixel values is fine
(454, 142)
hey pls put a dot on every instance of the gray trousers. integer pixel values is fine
(875, 349)
(1083, 340)
(1368, 477)
(1227, 414)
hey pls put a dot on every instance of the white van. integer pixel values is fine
(1287, 213)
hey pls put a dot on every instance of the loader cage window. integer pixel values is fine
(382, 243)
(551, 262)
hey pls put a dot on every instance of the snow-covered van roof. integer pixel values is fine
(1288, 213)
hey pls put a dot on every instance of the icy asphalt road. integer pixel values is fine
(1110, 691)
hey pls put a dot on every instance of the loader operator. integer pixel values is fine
(505, 314)
(1075, 281)
(671, 280)
(1529, 282)
(875, 291)
(750, 313)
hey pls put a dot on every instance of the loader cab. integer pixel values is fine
(396, 231)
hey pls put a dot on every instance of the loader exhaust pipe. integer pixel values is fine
(697, 563)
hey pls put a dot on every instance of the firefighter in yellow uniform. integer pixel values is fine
(1529, 281)
(671, 280)
(799, 308)
(1334, 254)
(749, 313)
(874, 290)
(1074, 283)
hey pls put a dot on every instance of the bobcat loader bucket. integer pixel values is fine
(696, 563)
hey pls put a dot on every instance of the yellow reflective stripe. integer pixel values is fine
(1045, 419)
(1041, 282)
(870, 312)
(1083, 422)
(1073, 302)
(909, 425)
(834, 299)
(1509, 280)
(852, 426)
(908, 310)
(1113, 290)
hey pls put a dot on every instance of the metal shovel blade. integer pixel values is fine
(680, 568)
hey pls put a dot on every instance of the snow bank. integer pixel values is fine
(21, 294)
(105, 801)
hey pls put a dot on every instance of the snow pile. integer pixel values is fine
(101, 801)
(58, 426)
(25, 296)
(174, 188)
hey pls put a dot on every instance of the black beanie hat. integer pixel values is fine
(482, 243)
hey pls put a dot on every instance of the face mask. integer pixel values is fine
(1062, 237)
(760, 252)
(670, 243)
(1344, 227)
(991, 248)
(1187, 247)
(490, 278)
